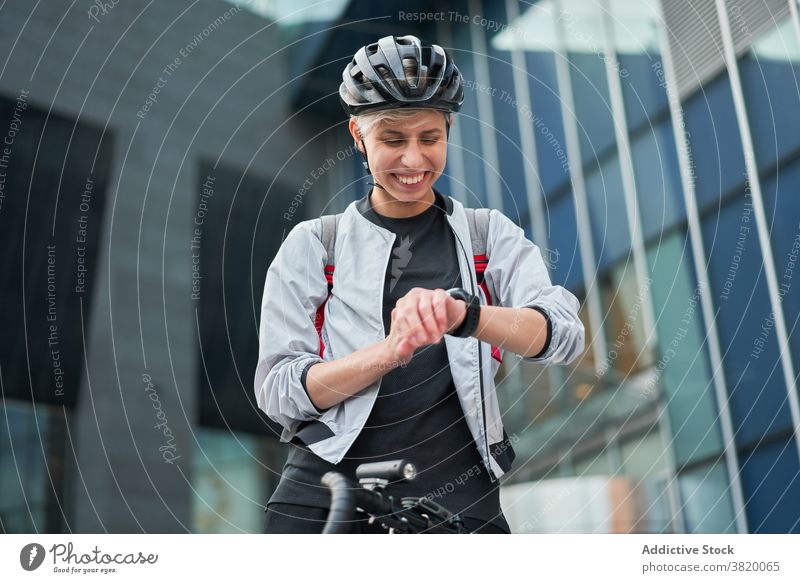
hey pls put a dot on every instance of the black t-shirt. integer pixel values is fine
(417, 414)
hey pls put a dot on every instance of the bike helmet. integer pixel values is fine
(401, 71)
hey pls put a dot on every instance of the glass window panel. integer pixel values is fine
(583, 28)
(293, 12)
(593, 465)
(713, 136)
(584, 364)
(547, 121)
(229, 481)
(636, 38)
(782, 205)
(644, 462)
(526, 396)
(30, 442)
(564, 255)
(644, 456)
(658, 180)
(706, 500)
(506, 128)
(770, 73)
(756, 388)
(623, 303)
(682, 369)
(771, 482)
(607, 212)
(468, 118)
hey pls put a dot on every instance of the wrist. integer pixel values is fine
(387, 358)
(468, 322)
(462, 315)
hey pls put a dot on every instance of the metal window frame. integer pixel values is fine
(794, 10)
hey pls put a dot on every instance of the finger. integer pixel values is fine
(427, 318)
(413, 324)
(405, 350)
(440, 310)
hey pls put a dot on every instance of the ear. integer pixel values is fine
(353, 127)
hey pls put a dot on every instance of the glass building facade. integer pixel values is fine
(650, 148)
(670, 202)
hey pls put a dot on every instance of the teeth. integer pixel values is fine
(410, 179)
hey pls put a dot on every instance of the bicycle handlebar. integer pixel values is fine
(407, 515)
(342, 503)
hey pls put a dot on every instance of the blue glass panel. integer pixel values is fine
(548, 123)
(658, 181)
(782, 206)
(683, 369)
(507, 131)
(643, 88)
(564, 254)
(770, 74)
(607, 212)
(713, 135)
(706, 499)
(592, 104)
(468, 118)
(636, 38)
(747, 336)
(771, 482)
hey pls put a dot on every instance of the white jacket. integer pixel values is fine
(295, 287)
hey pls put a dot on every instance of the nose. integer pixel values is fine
(412, 154)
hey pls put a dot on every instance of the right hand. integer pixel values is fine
(422, 317)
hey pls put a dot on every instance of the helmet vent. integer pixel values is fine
(410, 69)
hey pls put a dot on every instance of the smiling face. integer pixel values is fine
(407, 152)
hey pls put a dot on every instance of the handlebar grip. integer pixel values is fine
(340, 516)
(389, 470)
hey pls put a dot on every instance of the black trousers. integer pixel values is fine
(296, 519)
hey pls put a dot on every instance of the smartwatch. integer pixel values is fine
(470, 323)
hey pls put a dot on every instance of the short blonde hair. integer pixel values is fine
(366, 122)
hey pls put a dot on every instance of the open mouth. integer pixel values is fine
(410, 179)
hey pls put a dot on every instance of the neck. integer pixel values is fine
(387, 206)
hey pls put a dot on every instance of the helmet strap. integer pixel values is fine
(366, 166)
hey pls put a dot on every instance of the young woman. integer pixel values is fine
(407, 368)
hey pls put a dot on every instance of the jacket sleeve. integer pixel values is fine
(288, 342)
(517, 277)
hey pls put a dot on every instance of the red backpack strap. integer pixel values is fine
(328, 224)
(481, 261)
(478, 221)
(319, 319)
